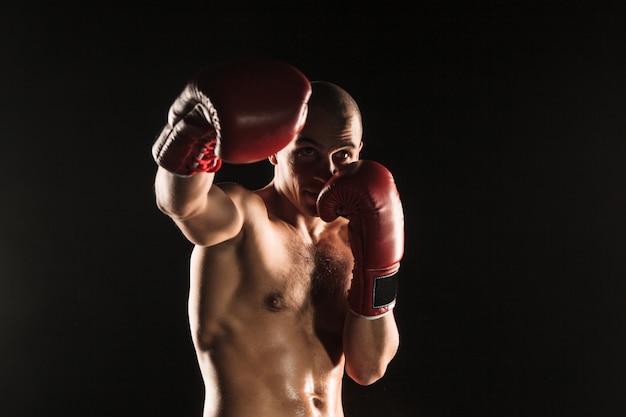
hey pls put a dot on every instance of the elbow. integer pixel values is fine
(175, 210)
(163, 206)
(367, 361)
(367, 367)
(366, 374)
(164, 202)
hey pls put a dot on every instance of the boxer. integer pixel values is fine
(294, 284)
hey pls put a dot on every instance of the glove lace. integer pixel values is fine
(206, 160)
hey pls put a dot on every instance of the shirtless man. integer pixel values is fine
(276, 316)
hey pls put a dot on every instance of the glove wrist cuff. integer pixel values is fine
(388, 310)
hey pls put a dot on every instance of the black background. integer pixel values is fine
(502, 121)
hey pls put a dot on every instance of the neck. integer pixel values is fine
(280, 207)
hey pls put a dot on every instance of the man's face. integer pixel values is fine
(326, 143)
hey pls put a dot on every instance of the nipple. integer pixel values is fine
(274, 302)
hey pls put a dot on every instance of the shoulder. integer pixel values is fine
(249, 203)
(239, 193)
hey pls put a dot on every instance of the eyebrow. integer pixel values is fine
(341, 143)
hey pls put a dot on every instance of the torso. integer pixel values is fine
(267, 310)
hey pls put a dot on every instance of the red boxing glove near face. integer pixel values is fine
(237, 111)
(365, 193)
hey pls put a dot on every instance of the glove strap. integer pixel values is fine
(375, 295)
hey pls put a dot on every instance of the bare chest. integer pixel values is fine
(307, 277)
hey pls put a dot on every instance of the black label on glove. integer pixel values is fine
(385, 290)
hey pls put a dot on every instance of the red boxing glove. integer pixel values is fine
(238, 111)
(365, 193)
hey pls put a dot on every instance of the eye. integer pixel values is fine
(306, 151)
(342, 156)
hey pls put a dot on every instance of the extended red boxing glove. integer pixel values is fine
(236, 111)
(365, 193)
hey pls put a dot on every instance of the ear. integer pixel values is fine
(272, 159)
(359, 150)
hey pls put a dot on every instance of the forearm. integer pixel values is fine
(181, 197)
(369, 346)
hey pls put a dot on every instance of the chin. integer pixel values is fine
(310, 211)
(313, 213)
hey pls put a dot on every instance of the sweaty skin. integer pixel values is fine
(269, 279)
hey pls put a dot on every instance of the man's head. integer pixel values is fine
(330, 139)
(333, 99)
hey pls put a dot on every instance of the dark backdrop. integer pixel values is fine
(503, 123)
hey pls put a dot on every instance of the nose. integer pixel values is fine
(325, 169)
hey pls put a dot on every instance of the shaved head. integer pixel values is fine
(330, 98)
(333, 98)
